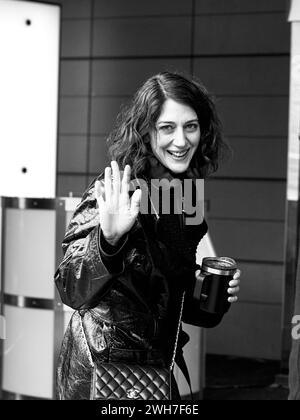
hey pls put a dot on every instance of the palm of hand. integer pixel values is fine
(116, 218)
(117, 212)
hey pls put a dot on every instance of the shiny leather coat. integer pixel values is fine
(127, 303)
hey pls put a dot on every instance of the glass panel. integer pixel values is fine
(28, 352)
(30, 253)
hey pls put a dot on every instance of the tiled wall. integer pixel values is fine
(108, 49)
(240, 50)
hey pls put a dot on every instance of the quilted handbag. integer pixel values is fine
(123, 381)
(120, 381)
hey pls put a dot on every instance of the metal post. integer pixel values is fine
(289, 287)
(2, 235)
(291, 257)
(292, 203)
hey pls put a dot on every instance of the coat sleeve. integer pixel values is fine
(200, 318)
(89, 265)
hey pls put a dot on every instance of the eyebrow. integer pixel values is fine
(172, 122)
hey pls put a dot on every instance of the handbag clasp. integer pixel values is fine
(132, 393)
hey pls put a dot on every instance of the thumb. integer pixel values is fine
(136, 202)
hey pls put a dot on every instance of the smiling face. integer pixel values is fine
(177, 136)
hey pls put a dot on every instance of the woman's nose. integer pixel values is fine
(179, 138)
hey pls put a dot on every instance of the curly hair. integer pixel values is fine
(129, 142)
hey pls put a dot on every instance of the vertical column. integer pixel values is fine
(2, 319)
(292, 204)
(29, 49)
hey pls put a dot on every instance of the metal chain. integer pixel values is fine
(178, 330)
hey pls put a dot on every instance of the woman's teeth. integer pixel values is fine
(178, 155)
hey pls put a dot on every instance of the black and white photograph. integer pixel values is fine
(149, 202)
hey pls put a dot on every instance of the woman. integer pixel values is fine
(124, 271)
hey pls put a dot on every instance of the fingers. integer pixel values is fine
(98, 194)
(107, 184)
(116, 180)
(136, 202)
(112, 182)
(233, 290)
(234, 287)
(98, 190)
(126, 180)
(234, 283)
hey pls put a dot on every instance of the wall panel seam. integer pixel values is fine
(258, 302)
(249, 179)
(172, 56)
(260, 262)
(179, 15)
(247, 219)
(246, 13)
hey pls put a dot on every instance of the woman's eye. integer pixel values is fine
(191, 127)
(166, 128)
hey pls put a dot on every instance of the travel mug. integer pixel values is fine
(213, 282)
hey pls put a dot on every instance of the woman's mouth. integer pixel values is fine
(178, 155)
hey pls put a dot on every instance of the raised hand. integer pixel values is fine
(117, 211)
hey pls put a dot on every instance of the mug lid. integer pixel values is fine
(222, 264)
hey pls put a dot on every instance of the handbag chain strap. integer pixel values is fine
(178, 331)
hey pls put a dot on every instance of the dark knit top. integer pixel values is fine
(180, 238)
